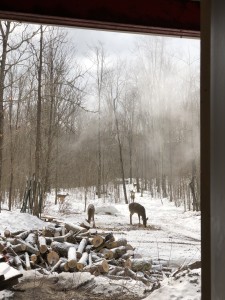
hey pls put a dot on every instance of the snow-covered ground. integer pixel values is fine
(171, 235)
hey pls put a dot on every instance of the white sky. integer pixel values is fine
(122, 43)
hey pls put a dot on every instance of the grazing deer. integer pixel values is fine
(138, 209)
(61, 197)
(91, 214)
(132, 195)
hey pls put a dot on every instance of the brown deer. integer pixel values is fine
(132, 195)
(61, 197)
(91, 214)
(138, 209)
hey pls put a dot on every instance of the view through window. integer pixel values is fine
(100, 139)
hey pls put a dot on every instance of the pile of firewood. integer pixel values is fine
(66, 247)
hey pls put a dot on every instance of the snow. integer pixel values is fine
(14, 221)
(172, 236)
(185, 288)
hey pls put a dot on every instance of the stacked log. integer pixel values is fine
(98, 252)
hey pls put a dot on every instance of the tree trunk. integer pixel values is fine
(164, 190)
(121, 158)
(138, 184)
(36, 211)
(130, 143)
(50, 137)
(5, 36)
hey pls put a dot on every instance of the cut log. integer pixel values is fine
(108, 254)
(43, 262)
(48, 218)
(33, 258)
(81, 235)
(103, 266)
(63, 230)
(52, 231)
(61, 239)
(85, 224)
(127, 263)
(9, 249)
(90, 261)
(23, 235)
(88, 248)
(7, 233)
(64, 265)
(32, 239)
(128, 254)
(12, 241)
(27, 261)
(14, 233)
(30, 249)
(130, 273)
(129, 247)
(72, 257)
(74, 227)
(118, 252)
(117, 262)
(42, 244)
(81, 247)
(48, 231)
(115, 269)
(121, 273)
(83, 261)
(2, 245)
(56, 265)
(94, 256)
(96, 241)
(62, 248)
(141, 264)
(52, 258)
(109, 237)
(18, 263)
(99, 267)
(73, 239)
(19, 247)
(115, 244)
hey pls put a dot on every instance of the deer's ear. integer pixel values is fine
(147, 219)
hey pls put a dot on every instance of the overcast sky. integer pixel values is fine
(122, 43)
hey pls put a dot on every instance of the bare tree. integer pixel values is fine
(98, 58)
(115, 94)
(10, 43)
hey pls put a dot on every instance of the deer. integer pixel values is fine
(62, 197)
(138, 209)
(91, 214)
(132, 195)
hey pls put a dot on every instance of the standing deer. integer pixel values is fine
(132, 195)
(61, 197)
(91, 214)
(138, 209)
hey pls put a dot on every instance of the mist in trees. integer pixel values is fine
(97, 122)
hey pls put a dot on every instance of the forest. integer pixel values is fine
(98, 122)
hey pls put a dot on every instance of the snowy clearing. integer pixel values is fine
(171, 236)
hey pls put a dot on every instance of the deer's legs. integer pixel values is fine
(130, 219)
